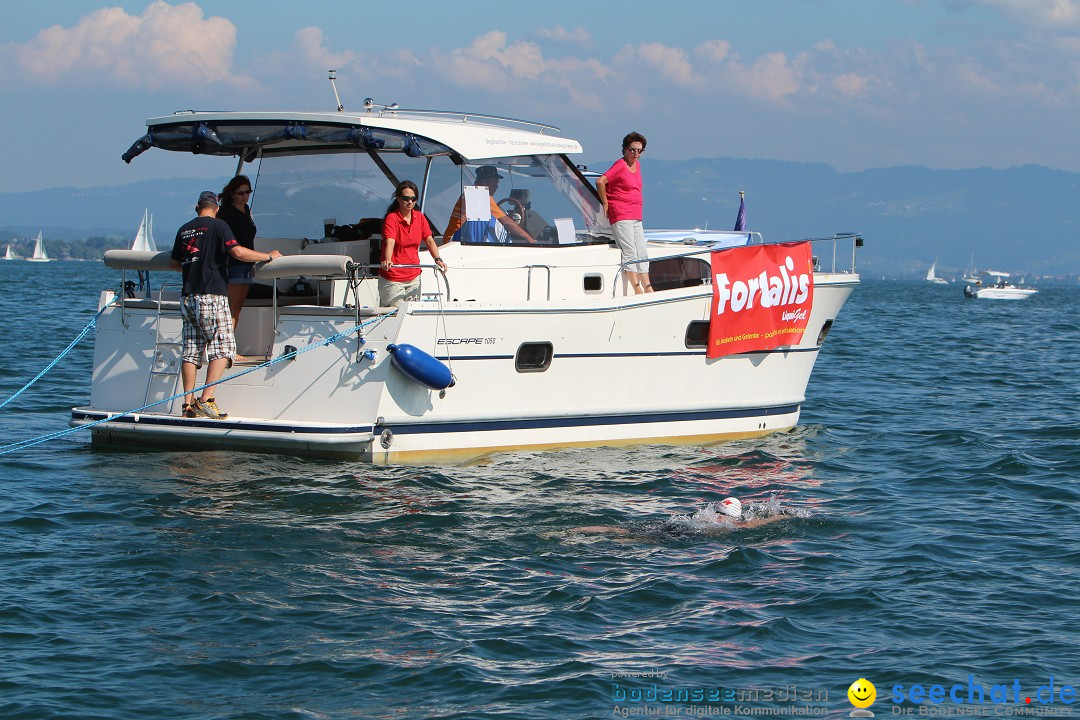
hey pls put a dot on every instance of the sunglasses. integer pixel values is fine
(407, 198)
(636, 150)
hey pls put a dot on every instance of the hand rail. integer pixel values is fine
(528, 281)
(446, 280)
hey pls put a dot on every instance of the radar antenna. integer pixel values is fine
(333, 84)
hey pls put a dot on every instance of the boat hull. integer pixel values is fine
(1004, 293)
(620, 373)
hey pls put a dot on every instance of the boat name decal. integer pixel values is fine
(465, 341)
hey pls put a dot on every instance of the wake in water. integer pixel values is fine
(713, 519)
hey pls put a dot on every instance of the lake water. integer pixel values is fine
(928, 536)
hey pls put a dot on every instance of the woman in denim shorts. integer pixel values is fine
(236, 212)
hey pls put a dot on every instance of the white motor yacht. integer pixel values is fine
(519, 344)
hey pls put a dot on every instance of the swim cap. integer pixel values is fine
(730, 507)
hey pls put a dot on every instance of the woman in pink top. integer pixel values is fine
(620, 191)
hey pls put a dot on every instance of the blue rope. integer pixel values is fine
(22, 444)
(59, 357)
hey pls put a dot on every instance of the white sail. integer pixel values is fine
(970, 273)
(9, 255)
(39, 251)
(144, 239)
(931, 275)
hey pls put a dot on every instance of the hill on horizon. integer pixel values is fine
(1024, 219)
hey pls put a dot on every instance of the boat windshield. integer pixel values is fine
(295, 195)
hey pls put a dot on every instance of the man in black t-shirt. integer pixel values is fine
(201, 251)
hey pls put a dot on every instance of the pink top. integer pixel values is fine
(623, 192)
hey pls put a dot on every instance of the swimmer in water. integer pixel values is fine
(727, 513)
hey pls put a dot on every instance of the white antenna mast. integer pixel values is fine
(333, 84)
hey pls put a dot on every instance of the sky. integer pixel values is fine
(854, 84)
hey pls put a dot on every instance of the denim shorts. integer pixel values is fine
(241, 273)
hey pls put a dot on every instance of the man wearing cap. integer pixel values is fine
(486, 176)
(201, 251)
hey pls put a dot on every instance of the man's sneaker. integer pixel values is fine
(212, 404)
(203, 410)
(188, 411)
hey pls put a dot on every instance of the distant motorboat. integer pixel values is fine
(931, 275)
(39, 251)
(144, 238)
(1000, 289)
(10, 254)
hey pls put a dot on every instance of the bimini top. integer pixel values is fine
(417, 133)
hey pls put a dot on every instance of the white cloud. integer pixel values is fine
(505, 68)
(851, 84)
(670, 64)
(312, 48)
(1059, 14)
(166, 45)
(771, 76)
(488, 61)
(575, 36)
(713, 51)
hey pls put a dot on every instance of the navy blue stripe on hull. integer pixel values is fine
(247, 425)
(673, 353)
(443, 427)
(590, 421)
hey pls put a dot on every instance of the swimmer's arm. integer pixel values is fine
(602, 530)
(758, 522)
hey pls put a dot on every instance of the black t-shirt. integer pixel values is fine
(202, 246)
(240, 221)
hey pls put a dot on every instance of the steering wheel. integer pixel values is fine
(514, 205)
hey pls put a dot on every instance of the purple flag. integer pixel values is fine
(740, 222)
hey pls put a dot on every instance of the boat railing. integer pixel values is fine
(839, 238)
(373, 269)
(837, 241)
(528, 280)
(462, 117)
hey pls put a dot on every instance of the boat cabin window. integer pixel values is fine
(825, 328)
(697, 333)
(679, 272)
(296, 196)
(533, 357)
(534, 191)
(593, 283)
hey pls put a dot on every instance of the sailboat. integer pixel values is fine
(144, 239)
(970, 273)
(931, 276)
(10, 254)
(39, 251)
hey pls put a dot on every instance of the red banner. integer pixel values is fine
(762, 296)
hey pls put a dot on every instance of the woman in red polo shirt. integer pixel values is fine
(403, 228)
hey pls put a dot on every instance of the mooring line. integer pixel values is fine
(22, 444)
(59, 357)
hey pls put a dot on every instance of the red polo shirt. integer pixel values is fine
(407, 235)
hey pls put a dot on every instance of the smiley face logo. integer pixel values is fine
(862, 693)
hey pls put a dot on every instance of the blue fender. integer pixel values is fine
(420, 367)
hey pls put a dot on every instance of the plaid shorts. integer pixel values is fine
(207, 327)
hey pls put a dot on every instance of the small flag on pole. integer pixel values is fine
(740, 221)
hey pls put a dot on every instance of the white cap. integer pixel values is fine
(730, 507)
